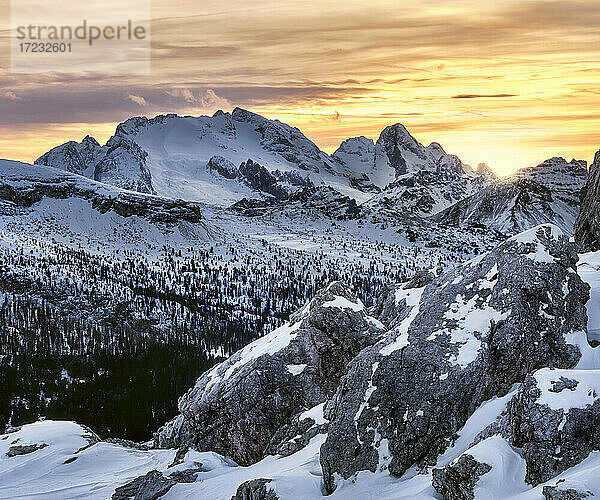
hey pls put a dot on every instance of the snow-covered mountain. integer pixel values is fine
(407, 177)
(121, 162)
(549, 192)
(230, 156)
(210, 159)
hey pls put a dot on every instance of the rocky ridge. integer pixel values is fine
(238, 407)
(547, 193)
(23, 185)
(587, 227)
(242, 155)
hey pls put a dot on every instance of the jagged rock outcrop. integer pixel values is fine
(555, 419)
(296, 434)
(259, 178)
(323, 199)
(286, 141)
(587, 226)
(237, 407)
(223, 167)
(25, 449)
(547, 193)
(467, 336)
(426, 180)
(280, 185)
(76, 157)
(457, 480)
(124, 166)
(121, 162)
(255, 489)
(154, 484)
(555, 493)
(328, 201)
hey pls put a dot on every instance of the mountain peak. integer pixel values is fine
(485, 171)
(243, 115)
(88, 139)
(399, 134)
(436, 149)
(560, 162)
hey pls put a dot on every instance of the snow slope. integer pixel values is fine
(67, 206)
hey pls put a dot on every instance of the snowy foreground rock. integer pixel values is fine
(477, 383)
(238, 407)
(466, 337)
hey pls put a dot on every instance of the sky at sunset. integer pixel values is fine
(508, 83)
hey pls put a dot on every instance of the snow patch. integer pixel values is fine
(296, 369)
(344, 303)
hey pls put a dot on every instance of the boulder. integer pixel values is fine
(149, 487)
(457, 480)
(237, 407)
(467, 336)
(255, 489)
(555, 419)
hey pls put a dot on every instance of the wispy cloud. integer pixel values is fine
(9, 94)
(477, 96)
(204, 98)
(140, 101)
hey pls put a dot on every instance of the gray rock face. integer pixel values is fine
(397, 142)
(259, 178)
(16, 450)
(238, 406)
(223, 167)
(287, 141)
(124, 166)
(255, 489)
(327, 200)
(554, 436)
(76, 157)
(294, 436)
(467, 336)
(323, 199)
(587, 226)
(457, 481)
(426, 180)
(121, 162)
